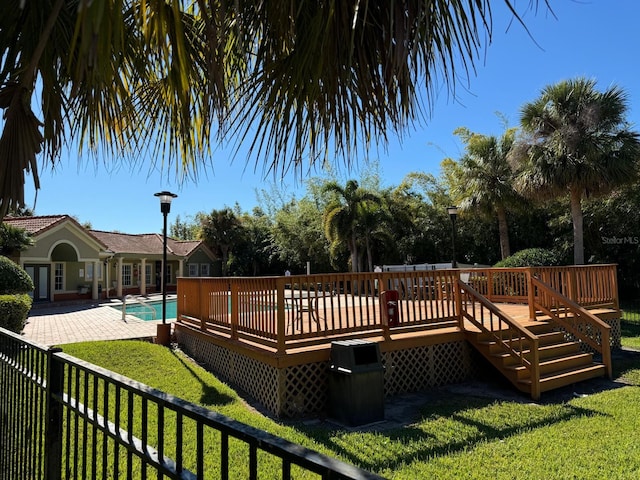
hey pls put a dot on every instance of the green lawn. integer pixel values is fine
(457, 436)
(631, 327)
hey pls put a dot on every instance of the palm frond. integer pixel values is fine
(297, 82)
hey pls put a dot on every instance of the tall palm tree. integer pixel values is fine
(291, 80)
(577, 143)
(343, 218)
(374, 228)
(486, 182)
(221, 230)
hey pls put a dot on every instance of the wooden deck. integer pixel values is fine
(282, 314)
(273, 335)
(312, 329)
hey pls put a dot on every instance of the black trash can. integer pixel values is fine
(356, 383)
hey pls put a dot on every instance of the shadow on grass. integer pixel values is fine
(461, 408)
(458, 413)
(626, 366)
(210, 395)
(630, 328)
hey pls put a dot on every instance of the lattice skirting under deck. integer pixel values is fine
(302, 389)
(416, 369)
(616, 332)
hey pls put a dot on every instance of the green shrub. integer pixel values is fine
(14, 310)
(13, 278)
(531, 257)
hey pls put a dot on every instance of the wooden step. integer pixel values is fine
(543, 339)
(567, 377)
(561, 362)
(539, 329)
(544, 352)
(556, 364)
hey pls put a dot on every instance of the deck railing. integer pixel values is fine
(509, 336)
(62, 417)
(587, 285)
(300, 310)
(574, 320)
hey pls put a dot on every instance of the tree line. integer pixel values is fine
(564, 181)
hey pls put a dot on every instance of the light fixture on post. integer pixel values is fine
(164, 329)
(453, 215)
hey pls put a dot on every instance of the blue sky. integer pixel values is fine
(593, 38)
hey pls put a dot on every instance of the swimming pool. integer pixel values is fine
(144, 312)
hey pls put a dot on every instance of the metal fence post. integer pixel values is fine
(54, 413)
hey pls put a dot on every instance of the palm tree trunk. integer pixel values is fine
(354, 253)
(369, 255)
(503, 229)
(576, 217)
(225, 259)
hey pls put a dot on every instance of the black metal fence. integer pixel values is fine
(631, 311)
(62, 417)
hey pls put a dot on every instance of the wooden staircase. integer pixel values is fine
(560, 362)
(537, 355)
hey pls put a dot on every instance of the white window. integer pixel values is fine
(193, 269)
(127, 276)
(147, 274)
(58, 281)
(168, 272)
(204, 270)
(88, 275)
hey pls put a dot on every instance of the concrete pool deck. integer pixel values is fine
(83, 322)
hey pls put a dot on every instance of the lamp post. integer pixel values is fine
(453, 214)
(164, 329)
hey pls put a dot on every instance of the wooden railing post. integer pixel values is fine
(234, 310)
(535, 370)
(281, 326)
(531, 294)
(204, 294)
(490, 285)
(572, 284)
(458, 301)
(613, 279)
(606, 352)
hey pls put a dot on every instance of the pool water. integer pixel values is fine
(144, 312)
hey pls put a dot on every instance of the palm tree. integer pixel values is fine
(221, 230)
(13, 240)
(290, 80)
(578, 143)
(344, 216)
(486, 179)
(374, 228)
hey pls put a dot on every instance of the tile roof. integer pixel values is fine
(183, 248)
(35, 225)
(146, 243)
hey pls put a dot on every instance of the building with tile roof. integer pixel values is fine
(65, 256)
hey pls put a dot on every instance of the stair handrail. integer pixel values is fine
(138, 300)
(533, 363)
(604, 348)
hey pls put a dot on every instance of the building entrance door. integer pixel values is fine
(41, 276)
